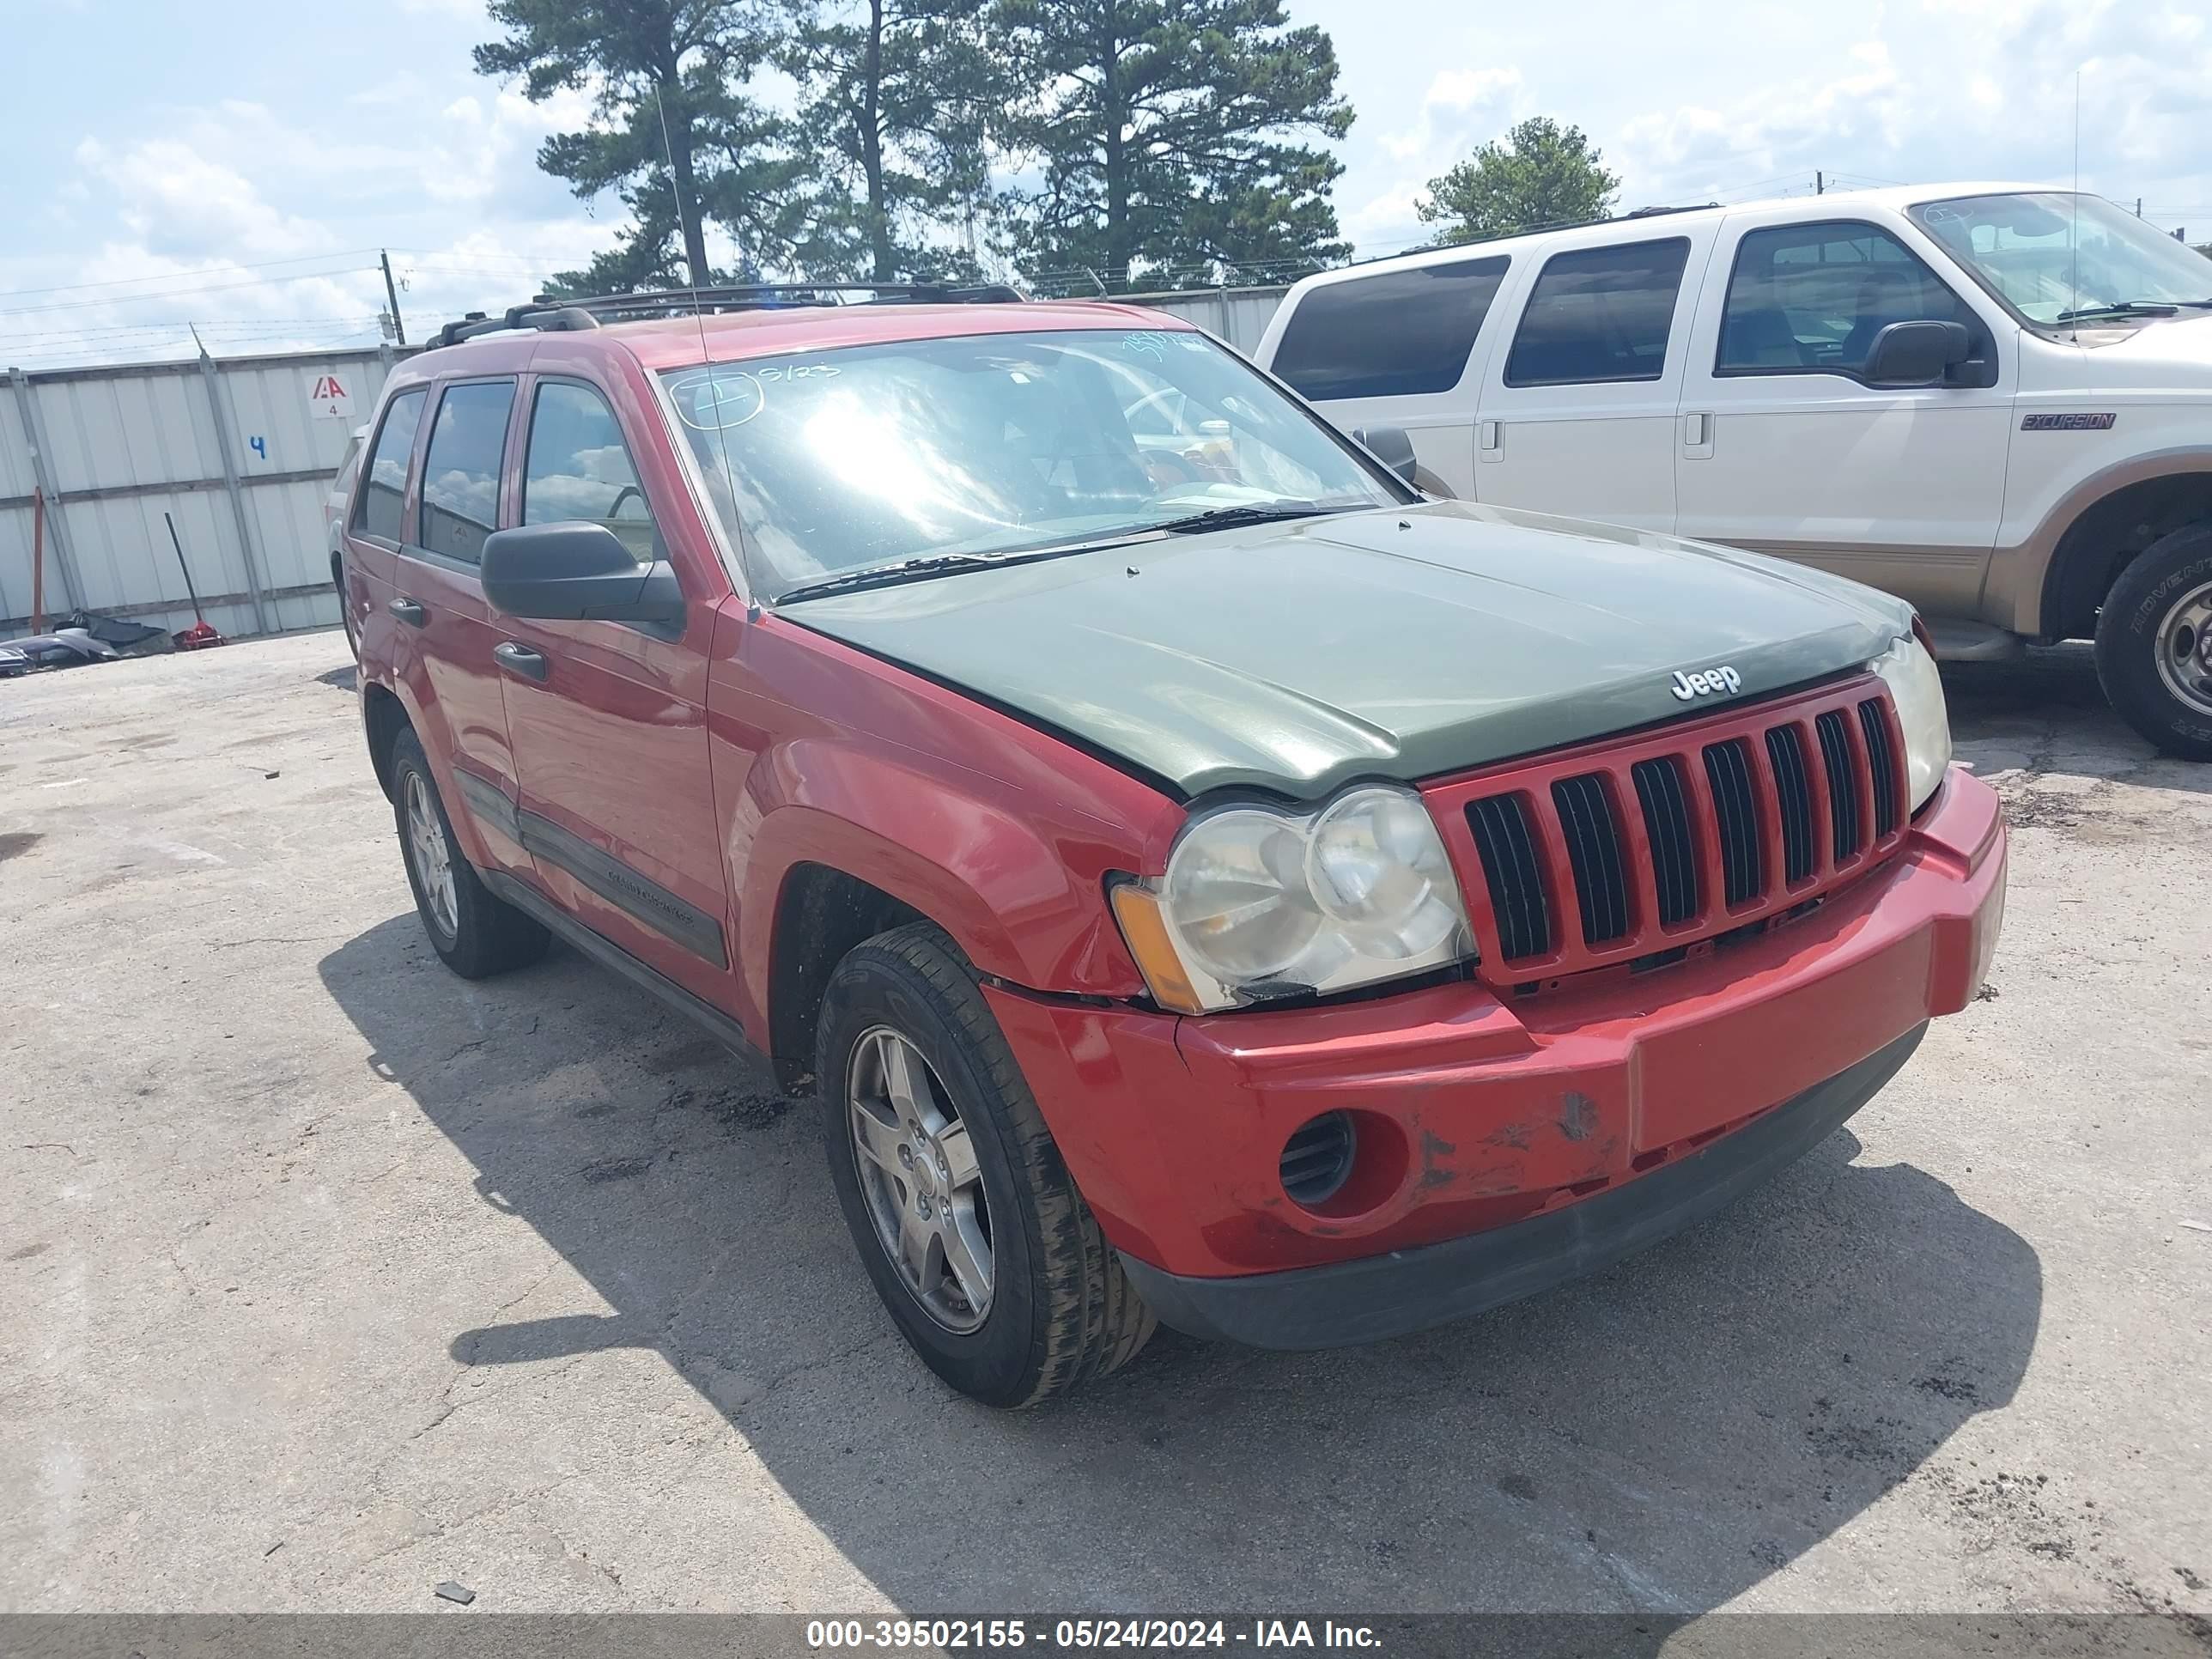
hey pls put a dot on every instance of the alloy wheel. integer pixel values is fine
(918, 1174)
(433, 860)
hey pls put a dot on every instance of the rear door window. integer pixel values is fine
(1395, 334)
(377, 513)
(1599, 313)
(577, 467)
(460, 473)
(1810, 299)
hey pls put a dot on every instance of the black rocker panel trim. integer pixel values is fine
(626, 889)
(608, 954)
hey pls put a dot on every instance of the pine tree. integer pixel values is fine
(669, 79)
(1165, 135)
(897, 94)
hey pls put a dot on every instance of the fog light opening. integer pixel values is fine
(1343, 1164)
(1317, 1159)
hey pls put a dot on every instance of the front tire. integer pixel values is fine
(2155, 643)
(474, 932)
(966, 1219)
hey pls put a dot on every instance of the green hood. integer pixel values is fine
(1396, 643)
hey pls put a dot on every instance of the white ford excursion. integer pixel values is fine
(1993, 401)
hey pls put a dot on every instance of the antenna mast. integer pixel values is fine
(2074, 213)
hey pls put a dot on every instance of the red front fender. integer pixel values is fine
(1002, 835)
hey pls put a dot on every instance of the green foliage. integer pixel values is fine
(898, 96)
(1167, 142)
(1164, 135)
(683, 64)
(1539, 173)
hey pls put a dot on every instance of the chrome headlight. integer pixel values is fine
(1260, 902)
(1917, 691)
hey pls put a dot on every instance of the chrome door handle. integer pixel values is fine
(409, 612)
(521, 660)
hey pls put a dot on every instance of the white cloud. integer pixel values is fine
(1462, 110)
(183, 202)
(196, 212)
(1458, 101)
(440, 163)
(1760, 96)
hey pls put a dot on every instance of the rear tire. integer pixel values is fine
(474, 932)
(1058, 1308)
(2155, 643)
(345, 606)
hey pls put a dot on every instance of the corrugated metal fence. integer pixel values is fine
(235, 450)
(1237, 315)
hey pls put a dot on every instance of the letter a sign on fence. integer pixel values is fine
(330, 398)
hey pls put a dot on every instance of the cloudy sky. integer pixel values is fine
(239, 167)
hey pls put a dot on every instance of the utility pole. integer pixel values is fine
(1820, 184)
(2138, 207)
(392, 296)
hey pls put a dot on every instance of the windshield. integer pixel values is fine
(828, 463)
(2049, 252)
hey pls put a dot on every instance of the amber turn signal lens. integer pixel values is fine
(1142, 926)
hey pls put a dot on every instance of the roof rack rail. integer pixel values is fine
(554, 315)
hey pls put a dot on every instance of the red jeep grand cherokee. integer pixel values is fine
(1204, 878)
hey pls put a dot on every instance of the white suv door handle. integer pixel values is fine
(1490, 440)
(1697, 435)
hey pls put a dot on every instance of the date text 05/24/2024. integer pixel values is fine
(951, 1635)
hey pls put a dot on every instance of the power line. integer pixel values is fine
(480, 271)
(167, 275)
(179, 292)
(160, 347)
(1798, 177)
(487, 259)
(233, 326)
(101, 339)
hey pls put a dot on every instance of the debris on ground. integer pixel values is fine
(460, 1593)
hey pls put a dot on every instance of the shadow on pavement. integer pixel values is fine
(1660, 1437)
(2044, 715)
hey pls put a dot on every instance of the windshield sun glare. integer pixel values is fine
(868, 457)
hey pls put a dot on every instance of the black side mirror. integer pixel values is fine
(1390, 445)
(575, 572)
(1916, 354)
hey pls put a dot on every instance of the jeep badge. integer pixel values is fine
(1723, 678)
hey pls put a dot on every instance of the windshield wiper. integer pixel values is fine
(938, 564)
(1244, 512)
(890, 575)
(2125, 308)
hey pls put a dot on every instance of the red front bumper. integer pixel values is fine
(1476, 1113)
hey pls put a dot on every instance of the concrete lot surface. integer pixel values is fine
(325, 1276)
